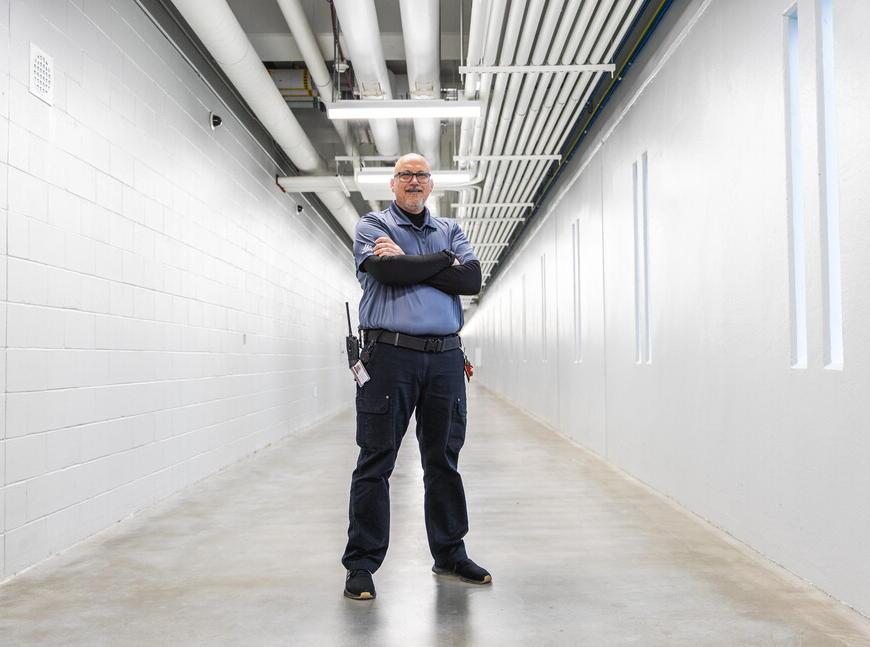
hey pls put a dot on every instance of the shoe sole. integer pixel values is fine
(365, 595)
(455, 576)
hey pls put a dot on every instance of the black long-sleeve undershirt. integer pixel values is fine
(428, 269)
(406, 270)
(459, 279)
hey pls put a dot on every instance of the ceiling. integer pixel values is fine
(528, 113)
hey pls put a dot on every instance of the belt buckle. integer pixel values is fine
(437, 343)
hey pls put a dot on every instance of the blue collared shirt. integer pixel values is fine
(415, 309)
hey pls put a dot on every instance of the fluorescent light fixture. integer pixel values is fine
(403, 109)
(470, 205)
(505, 158)
(310, 183)
(536, 69)
(441, 179)
(451, 178)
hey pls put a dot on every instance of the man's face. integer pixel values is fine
(411, 193)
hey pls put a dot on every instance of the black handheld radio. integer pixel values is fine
(351, 342)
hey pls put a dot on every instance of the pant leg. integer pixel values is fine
(441, 421)
(383, 407)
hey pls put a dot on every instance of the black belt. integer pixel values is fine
(423, 344)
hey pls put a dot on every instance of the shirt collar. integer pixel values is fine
(403, 221)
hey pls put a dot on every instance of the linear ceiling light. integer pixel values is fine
(490, 220)
(534, 69)
(441, 179)
(310, 183)
(469, 205)
(403, 109)
(505, 158)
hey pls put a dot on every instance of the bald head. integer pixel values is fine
(413, 187)
(404, 160)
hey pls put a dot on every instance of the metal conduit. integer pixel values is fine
(531, 113)
(554, 135)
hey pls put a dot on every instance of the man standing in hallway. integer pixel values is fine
(412, 266)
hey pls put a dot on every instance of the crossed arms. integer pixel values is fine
(441, 270)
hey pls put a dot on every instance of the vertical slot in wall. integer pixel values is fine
(523, 313)
(828, 188)
(544, 307)
(512, 341)
(643, 354)
(647, 319)
(635, 181)
(794, 165)
(578, 324)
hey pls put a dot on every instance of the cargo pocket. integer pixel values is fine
(456, 439)
(374, 428)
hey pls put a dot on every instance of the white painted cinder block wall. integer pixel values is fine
(718, 420)
(165, 310)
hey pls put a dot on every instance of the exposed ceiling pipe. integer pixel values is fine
(422, 36)
(515, 109)
(556, 130)
(307, 43)
(507, 172)
(612, 15)
(472, 130)
(538, 119)
(506, 57)
(535, 88)
(363, 38)
(585, 84)
(470, 140)
(476, 35)
(559, 52)
(558, 127)
(219, 30)
(510, 87)
(554, 133)
(296, 19)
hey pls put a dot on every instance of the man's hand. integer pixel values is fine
(386, 247)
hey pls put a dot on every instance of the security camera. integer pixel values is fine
(214, 120)
(299, 208)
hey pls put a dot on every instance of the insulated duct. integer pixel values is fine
(219, 30)
(422, 34)
(362, 36)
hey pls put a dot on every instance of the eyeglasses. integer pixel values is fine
(405, 176)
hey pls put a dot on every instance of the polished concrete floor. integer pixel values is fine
(579, 554)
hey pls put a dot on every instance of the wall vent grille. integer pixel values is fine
(41, 75)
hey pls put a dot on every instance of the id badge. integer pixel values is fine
(360, 374)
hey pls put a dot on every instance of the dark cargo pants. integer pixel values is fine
(403, 380)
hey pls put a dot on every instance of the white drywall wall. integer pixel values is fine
(718, 419)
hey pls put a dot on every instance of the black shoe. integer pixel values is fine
(465, 570)
(359, 585)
